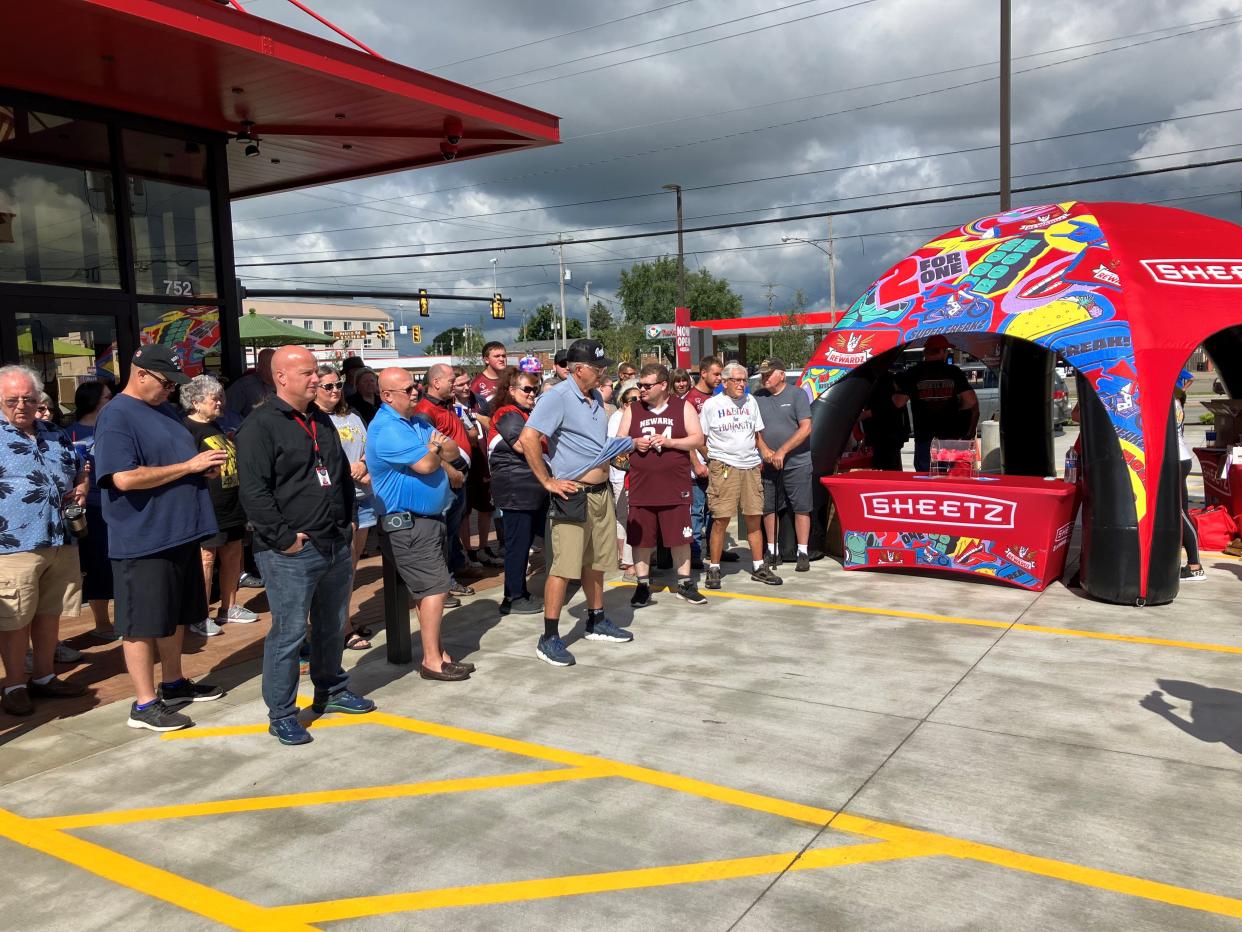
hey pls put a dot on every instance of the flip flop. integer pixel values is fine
(357, 641)
(364, 631)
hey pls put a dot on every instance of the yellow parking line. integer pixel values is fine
(319, 798)
(151, 881)
(979, 622)
(579, 884)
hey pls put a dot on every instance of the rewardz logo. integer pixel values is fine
(1196, 273)
(948, 508)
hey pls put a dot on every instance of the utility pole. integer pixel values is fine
(832, 275)
(1006, 196)
(586, 293)
(681, 249)
(559, 243)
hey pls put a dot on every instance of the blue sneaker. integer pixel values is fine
(552, 650)
(290, 731)
(344, 701)
(605, 630)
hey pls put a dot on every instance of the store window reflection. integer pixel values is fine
(57, 212)
(67, 350)
(170, 216)
(192, 332)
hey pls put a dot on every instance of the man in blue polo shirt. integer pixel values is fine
(157, 507)
(413, 479)
(571, 416)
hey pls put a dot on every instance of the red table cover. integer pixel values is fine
(1218, 491)
(1013, 528)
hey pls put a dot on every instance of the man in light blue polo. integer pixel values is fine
(572, 417)
(413, 480)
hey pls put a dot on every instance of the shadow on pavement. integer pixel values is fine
(1215, 715)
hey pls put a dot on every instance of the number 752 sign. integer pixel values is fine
(178, 288)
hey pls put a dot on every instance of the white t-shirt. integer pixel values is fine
(730, 429)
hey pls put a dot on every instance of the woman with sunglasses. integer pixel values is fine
(515, 490)
(330, 397)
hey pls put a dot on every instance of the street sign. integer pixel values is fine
(349, 334)
(661, 331)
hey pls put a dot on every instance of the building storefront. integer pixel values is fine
(120, 155)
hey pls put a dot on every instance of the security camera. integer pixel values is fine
(448, 151)
(452, 130)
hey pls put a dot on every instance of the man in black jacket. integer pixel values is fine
(299, 497)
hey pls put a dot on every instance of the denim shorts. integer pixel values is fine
(364, 510)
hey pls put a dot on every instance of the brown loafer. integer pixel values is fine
(461, 665)
(449, 674)
(55, 688)
(17, 702)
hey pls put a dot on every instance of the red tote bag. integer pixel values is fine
(1214, 526)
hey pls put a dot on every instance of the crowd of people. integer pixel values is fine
(283, 479)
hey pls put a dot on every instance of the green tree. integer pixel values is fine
(648, 293)
(793, 342)
(623, 341)
(458, 341)
(544, 323)
(601, 318)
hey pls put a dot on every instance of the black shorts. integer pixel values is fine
(418, 553)
(479, 486)
(224, 536)
(158, 592)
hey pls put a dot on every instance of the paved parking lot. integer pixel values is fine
(852, 750)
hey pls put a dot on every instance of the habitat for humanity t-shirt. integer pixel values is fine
(730, 428)
(130, 433)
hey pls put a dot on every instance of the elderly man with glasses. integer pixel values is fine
(158, 508)
(40, 473)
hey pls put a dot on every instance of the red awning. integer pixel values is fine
(322, 112)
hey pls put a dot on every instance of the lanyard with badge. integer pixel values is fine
(321, 471)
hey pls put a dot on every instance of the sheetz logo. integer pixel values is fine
(953, 509)
(1196, 273)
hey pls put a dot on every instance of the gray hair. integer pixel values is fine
(25, 372)
(200, 388)
(731, 367)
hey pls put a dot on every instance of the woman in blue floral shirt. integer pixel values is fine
(40, 579)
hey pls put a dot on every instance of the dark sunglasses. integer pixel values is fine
(647, 385)
(330, 386)
(407, 391)
(529, 389)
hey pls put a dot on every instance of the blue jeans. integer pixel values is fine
(521, 528)
(307, 583)
(456, 555)
(922, 455)
(700, 519)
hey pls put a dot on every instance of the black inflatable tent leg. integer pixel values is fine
(1026, 414)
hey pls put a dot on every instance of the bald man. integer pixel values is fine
(251, 388)
(436, 407)
(298, 494)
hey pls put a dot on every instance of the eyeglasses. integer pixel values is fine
(408, 390)
(738, 378)
(165, 384)
(528, 389)
(643, 386)
(330, 386)
(21, 400)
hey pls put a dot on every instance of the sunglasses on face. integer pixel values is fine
(409, 390)
(644, 386)
(330, 386)
(165, 384)
(528, 389)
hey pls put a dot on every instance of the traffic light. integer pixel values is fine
(424, 306)
(381, 331)
(417, 333)
(498, 307)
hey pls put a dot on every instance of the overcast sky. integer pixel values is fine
(709, 93)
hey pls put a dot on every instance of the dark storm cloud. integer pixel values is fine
(722, 112)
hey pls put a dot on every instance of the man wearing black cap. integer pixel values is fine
(943, 403)
(560, 364)
(157, 507)
(571, 416)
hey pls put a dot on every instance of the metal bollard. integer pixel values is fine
(396, 609)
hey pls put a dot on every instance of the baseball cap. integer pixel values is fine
(588, 351)
(771, 364)
(937, 342)
(561, 358)
(156, 357)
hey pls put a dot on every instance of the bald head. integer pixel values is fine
(440, 381)
(295, 376)
(393, 378)
(394, 390)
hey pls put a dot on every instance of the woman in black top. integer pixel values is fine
(203, 398)
(515, 490)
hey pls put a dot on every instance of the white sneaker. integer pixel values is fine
(240, 615)
(207, 628)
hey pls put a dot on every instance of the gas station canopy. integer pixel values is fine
(319, 111)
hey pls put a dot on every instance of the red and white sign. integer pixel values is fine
(681, 319)
(1195, 273)
(951, 509)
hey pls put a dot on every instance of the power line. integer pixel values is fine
(765, 222)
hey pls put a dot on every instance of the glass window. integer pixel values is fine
(327, 326)
(308, 325)
(193, 333)
(347, 325)
(57, 212)
(171, 216)
(67, 350)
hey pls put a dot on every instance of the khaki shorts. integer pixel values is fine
(727, 486)
(46, 581)
(591, 545)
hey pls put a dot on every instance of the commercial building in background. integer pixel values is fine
(360, 329)
(122, 148)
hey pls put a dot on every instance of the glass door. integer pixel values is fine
(67, 349)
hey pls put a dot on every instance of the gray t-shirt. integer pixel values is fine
(781, 414)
